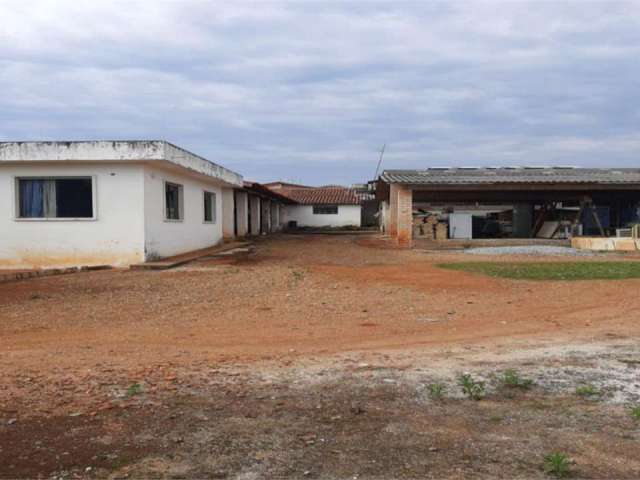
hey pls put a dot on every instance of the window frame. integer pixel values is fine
(314, 207)
(16, 198)
(180, 201)
(214, 213)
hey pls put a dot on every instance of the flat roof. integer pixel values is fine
(115, 151)
(499, 175)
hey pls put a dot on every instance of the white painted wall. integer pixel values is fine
(114, 237)
(228, 213)
(169, 237)
(242, 217)
(383, 216)
(254, 206)
(348, 215)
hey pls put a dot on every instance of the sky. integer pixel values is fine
(309, 92)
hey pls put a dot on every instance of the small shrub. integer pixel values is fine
(474, 389)
(512, 379)
(556, 464)
(297, 274)
(437, 390)
(635, 412)
(587, 391)
(134, 389)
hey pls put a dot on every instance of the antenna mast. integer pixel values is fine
(379, 161)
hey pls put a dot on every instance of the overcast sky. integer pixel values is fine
(309, 92)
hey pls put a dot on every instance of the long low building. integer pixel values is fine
(109, 202)
(259, 210)
(330, 206)
(519, 202)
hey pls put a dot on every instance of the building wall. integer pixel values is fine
(254, 206)
(348, 215)
(228, 213)
(165, 238)
(114, 237)
(242, 214)
(383, 216)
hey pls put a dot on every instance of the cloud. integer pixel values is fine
(310, 91)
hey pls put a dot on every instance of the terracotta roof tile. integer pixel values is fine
(321, 196)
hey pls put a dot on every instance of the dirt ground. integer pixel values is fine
(312, 357)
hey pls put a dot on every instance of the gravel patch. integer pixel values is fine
(530, 250)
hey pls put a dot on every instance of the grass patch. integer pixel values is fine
(134, 389)
(635, 412)
(550, 271)
(512, 379)
(556, 464)
(472, 388)
(587, 391)
(437, 391)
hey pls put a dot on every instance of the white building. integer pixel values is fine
(109, 203)
(319, 207)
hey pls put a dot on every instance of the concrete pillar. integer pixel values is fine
(383, 217)
(254, 207)
(228, 217)
(274, 217)
(393, 210)
(282, 217)
(404, 216)
(265, 215)
(242, 213)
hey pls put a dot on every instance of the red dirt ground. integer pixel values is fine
(297, 295)
(65, 341)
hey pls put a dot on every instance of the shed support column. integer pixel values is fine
(242, 213)
(254, 206)
(228, 207)
(275, 208)
(265, 216)
(393, 210)
(383, 213)
(404, 216)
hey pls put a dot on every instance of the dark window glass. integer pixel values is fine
(74, 198)
(325, 209)
(209, 207)
(55, 198)
(172, 193)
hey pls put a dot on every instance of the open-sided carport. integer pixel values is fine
(258, 210)
(531, 191)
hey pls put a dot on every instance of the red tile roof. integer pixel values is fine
(321, 196)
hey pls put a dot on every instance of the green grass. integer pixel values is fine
(551, 271)
(134, 389)
(437, 391)
(512, 379)
(587, 391)
(635, 412)
(556, 464)
(472, 388)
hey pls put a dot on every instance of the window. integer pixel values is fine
(209, 207)
(325, 209)
(55, 197)
(173, 201)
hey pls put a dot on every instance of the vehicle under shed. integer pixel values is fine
(508, 202)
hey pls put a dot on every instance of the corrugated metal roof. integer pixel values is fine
(513, 175)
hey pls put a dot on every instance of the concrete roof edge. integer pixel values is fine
(115, 150)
